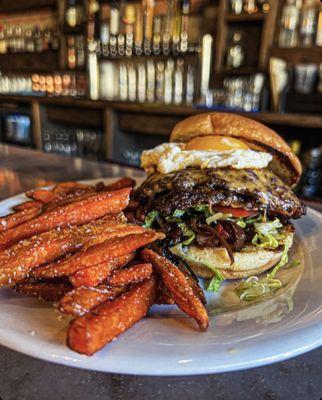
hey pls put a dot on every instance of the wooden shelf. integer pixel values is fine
(13, 6)
(29, 62)
(300, 120)
(241, 71)
(245, 17)
(298, 54)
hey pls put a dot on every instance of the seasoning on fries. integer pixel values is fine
(77, 213)
(180, 290)
(72, 246)
(82, 300)
(91, 332)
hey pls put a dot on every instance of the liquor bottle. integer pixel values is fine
(128, 20)
(38, 40)
(80, 51)
(250, 6)
(138, 29)
(29, 42)
(318, 40)
(176, 26)
(148, 12)
(184, 40)
(114, 26)
(288, 36)
(3, 43)
(236, 6)
(307, 26)
(71, 52)
(157, 21)
(104, 28)
(71, 13)
(235, 52)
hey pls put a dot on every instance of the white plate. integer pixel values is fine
(167, 343)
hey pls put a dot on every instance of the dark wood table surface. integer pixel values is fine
(26, 378)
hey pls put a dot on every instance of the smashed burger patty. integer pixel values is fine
(249, 189)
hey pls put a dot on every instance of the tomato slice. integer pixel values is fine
(235, 212)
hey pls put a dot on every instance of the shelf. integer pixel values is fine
(293, 119)
(10, 6)
(241, 71)
(296, 55)
(29, 62)
(245, 17)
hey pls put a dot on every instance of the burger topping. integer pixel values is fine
(249, 190)
(170, 157)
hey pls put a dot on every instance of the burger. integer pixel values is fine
(221, 192)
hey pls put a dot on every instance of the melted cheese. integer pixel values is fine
(170, 157)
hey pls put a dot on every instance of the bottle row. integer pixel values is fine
(249, 6)
(28, 39)
(168, 82)
(57, 84)
(145, 27)
(301, 24)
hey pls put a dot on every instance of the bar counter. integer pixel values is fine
(27, 378)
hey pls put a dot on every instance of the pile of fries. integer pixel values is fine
(72, 246)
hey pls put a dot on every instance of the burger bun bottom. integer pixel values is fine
(251, 261)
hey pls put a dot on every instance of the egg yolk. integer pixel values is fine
(218, 143)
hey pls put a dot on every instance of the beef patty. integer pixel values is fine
(248, 188)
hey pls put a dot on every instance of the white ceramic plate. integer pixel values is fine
(167, 342)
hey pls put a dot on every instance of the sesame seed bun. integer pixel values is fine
(258, 136)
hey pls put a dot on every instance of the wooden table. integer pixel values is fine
(25, 378)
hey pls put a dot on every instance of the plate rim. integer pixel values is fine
(144, 369)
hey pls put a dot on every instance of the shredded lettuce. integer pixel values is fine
(216, 281)
(150, 218)
(267, 234)
(216, 217)
(284, 258)
(241, 223)
(187, 233)
(254, 288)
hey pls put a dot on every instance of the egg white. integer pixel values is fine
(169, 157)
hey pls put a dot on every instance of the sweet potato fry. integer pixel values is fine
(46, 291)
(136, 273)
(76, 213)
(96, 274)
(94, 330)
(180, 290)
(67, 187)
(193, 284)
(120, 184)
(81, 300)
(41, 195)
(27, 205)
(100, 253)
(17, 218)
(18, 260)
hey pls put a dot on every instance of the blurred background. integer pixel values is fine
(106, 79)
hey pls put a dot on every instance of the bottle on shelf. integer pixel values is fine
(308, 26)
(288, 36)
(74, 13)
(236, 6)
(3, 42)
(235, 52)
